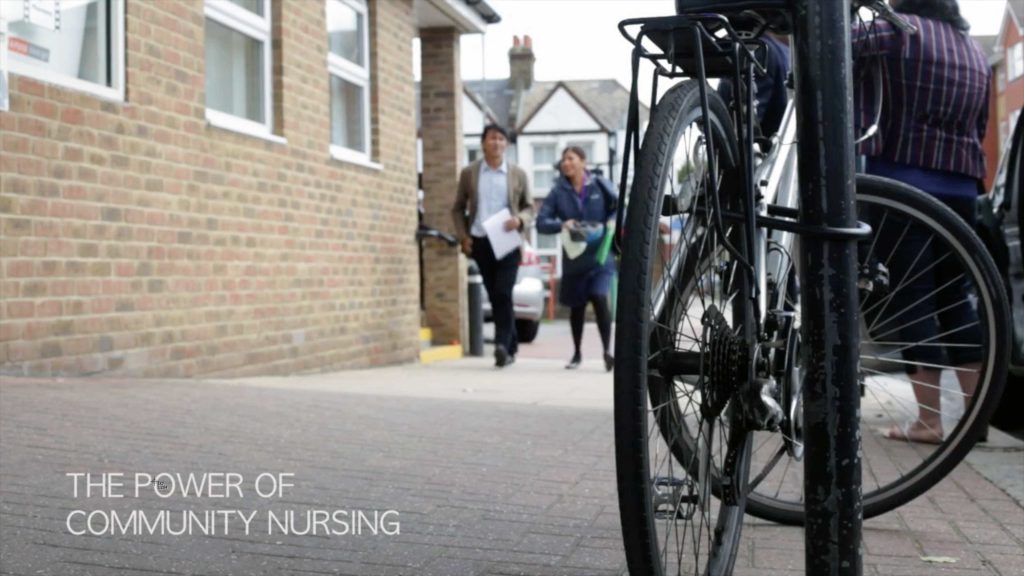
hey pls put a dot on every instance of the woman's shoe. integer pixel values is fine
(609, 362)
(914, 432)
(574, 363)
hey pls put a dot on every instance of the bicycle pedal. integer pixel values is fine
(669, 501)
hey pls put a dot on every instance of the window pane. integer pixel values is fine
(1019, 59)
(543, 154)
(547, 241)
(347, 115)
(234, 72)
(543, 179)
(79, 48)
(345, 29)
(254, 6)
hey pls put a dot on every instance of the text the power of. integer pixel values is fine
(176, 484)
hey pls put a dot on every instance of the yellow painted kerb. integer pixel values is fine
(439, 353)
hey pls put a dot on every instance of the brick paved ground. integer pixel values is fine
(492, 472)
(481, 487)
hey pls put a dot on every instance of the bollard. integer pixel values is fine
(474, 289)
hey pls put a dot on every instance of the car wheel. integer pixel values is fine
(527, 330)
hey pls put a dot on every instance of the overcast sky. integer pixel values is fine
(579, 39)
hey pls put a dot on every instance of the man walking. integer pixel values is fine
(485, 188)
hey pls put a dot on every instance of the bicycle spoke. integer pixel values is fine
(925, 298)
(918, 364)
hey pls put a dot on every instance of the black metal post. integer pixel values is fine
(829, 303)
(475, 296)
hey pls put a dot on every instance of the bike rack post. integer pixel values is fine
(832, 474)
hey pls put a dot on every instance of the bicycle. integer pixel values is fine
(709, 373)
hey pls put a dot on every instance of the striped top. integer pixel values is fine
(935, 92)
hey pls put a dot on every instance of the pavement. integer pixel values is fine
(483, 472)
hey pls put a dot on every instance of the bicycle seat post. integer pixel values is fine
(832, 464)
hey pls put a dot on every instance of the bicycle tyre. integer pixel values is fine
(931, 214)
(641, 494)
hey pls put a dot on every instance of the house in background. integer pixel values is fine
(1006, 56)
(544, 118)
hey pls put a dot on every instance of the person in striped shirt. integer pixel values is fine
(934, 109)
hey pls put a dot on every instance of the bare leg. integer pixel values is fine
(968, 377)
(968, 384)
(928, 426)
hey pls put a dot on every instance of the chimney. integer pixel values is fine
(520, 63)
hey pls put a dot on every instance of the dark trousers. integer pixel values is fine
(930, 301)
(499, 279)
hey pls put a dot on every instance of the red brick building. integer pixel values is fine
(221, 187)
(1007, 59)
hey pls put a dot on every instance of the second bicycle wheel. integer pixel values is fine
(684, 340)
(934, 340)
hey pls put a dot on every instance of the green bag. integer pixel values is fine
(606, 243)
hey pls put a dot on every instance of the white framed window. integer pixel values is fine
(239, 90)
(78, 44)
(473, 151)
(348, 67)
(1015, 58)
(544, 157)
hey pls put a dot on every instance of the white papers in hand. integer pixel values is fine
(502, 241)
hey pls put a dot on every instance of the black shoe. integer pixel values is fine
(574, 363)
(609, 362)
(501, 356)
(511, 360)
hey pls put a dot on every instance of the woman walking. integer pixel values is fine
(581, 204)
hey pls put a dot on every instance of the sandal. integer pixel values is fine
(905, 433)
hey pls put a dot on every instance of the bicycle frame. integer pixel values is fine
(777, 177)
(826, 214)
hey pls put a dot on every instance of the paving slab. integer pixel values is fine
(487, 471)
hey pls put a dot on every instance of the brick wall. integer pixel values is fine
(441, 130)
(138, 240)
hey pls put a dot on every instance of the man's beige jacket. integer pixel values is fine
(520, 201)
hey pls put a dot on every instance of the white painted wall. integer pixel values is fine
(561, 113)
(473, 119)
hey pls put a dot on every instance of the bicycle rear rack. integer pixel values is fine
(703, 46)
(698, 46)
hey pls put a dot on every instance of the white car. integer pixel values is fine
(528, 296)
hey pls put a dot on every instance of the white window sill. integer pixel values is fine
(350, 157)
(99, 91)
(242, 126)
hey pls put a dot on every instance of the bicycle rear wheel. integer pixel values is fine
(682, 514)
(967, 347)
